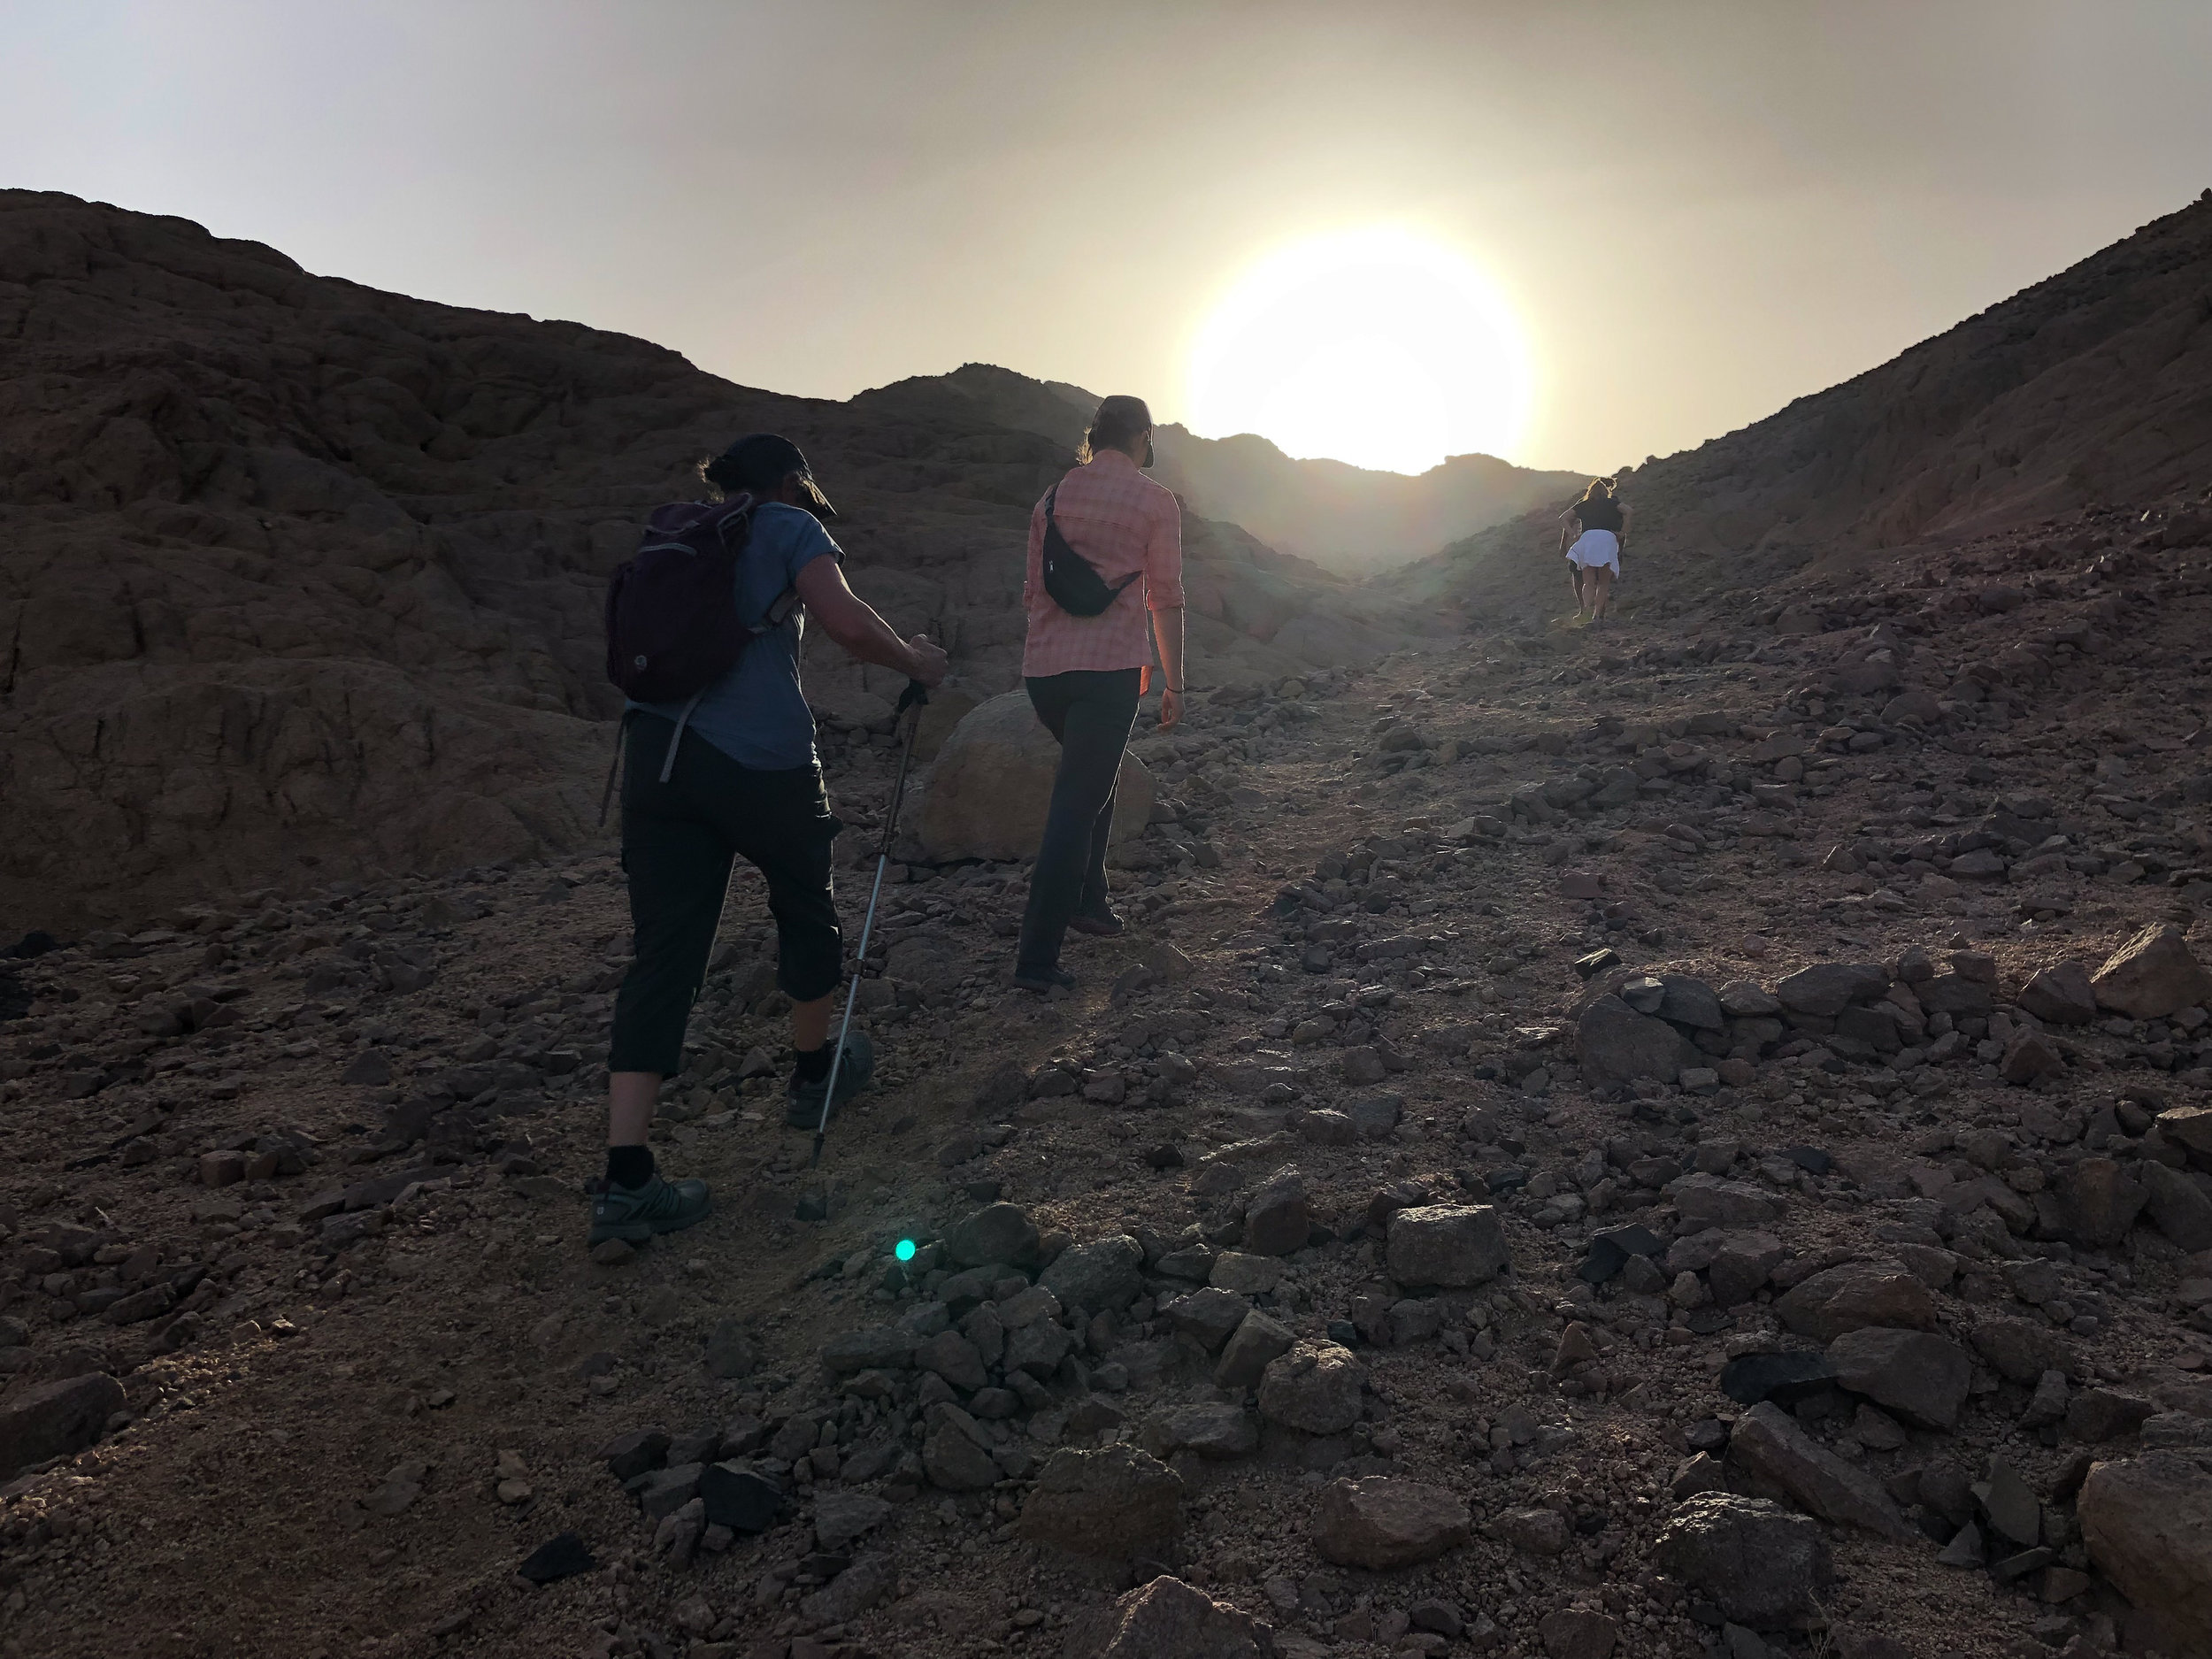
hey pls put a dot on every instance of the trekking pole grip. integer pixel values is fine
(915, 694)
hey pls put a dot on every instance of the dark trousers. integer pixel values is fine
(1090, 712)
(680, 840)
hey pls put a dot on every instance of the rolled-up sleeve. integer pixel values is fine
(1164, 558)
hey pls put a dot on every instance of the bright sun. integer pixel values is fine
(1381, 346)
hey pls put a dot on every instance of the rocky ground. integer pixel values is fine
(1685, 1137)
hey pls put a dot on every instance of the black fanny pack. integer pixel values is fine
(1072, 580)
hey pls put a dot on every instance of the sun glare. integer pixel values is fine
(1383, 347)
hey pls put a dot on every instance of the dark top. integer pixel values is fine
(1604, 513)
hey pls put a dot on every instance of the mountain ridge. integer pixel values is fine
(1353, 519)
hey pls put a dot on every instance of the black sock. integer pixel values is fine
(811, 1065)
(629, 1166)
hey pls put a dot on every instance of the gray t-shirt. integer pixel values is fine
(756, 714)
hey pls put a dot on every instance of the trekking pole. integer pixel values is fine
(912, 699)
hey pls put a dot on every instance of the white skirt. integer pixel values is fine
(1595, 548)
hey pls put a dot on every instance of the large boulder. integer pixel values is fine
(2061, 994)
(1826, 988)
(1922, 1377)
(1114, 1503)
(2153, 975)
(1774, 1455)
(2177, 1206)
(992, 782)
(1617, 1044)
(56, 1418)
(2147, 1522)
(1278, 1219)
(1854, 1295)
(1760, 1564)
(1448, 1246)
(1379, 1523)
(1106, 1273)
(1315, 1387)
(2098, 1201)
(996, 1234)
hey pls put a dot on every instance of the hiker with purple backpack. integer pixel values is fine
(703, 632)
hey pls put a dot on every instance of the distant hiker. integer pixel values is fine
(1105, 549)
(1599, 533)
(725, 772)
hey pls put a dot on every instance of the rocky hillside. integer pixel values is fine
(300, 580)
(2086, 389)
(1346, 517)
(1640, 1145)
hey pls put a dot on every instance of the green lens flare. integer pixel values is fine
(905, 1250)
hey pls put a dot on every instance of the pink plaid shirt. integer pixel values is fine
(1121, 521)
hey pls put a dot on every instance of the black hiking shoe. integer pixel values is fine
(1042, 979)
(803, 1101)
(1107, 925)
(634, 1214)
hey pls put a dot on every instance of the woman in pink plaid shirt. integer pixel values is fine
(1085, 673)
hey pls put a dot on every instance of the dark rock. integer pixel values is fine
(1776, 1454)
(869, 1580)
(1165, 1618)
(2098, 1203)
(2061, 994)
(56, 1419)
(1447, 1245)
(1757, 1562)
(1610, 1248)
(1854, 1294)
(740, 1499)
(1381, 1523)
(1103, 1274)
(1617, 1045)
(885, 1347)
(1693, 1002)
(1257, 1343)
(1825, 989)
(2178, 1207)
(1785, 1377)
(1114, 1503)
(1315, 1387)
(2022, 1350)
(1577, 1633)
(2096, 1414)
(2147, 1522)
(629, 1455)
(1917, 1374)
(561, 1557)
(996, 1234)
(1278, 1219)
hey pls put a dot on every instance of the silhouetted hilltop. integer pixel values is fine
(1346, 517)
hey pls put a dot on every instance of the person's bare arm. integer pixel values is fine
(1167, 628)
(853, 623)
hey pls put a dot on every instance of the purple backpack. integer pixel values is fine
(673, 626)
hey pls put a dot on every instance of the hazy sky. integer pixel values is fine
(1696, 212)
